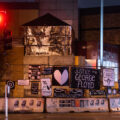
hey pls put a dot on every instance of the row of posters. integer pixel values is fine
(46, 89)
(83, 78)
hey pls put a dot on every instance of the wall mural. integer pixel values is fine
(60, 76)
(48, 40)
(85, 78)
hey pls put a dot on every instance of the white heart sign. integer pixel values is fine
(61, 79)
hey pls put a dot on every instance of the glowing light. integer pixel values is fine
(2, 18)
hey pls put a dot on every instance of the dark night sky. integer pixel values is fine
(81, 3)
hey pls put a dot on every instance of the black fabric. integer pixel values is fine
(46, 20)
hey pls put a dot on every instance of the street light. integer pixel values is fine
(2, 19)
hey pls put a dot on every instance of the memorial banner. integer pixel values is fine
(85, 78)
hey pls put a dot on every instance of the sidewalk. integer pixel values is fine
(64, 116)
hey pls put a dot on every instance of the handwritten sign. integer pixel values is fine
(47, 71)
(97, 92)
(85, 78)
(34, 88)
(63, 93)
(23, 82)
(46, 87)
(108, 77)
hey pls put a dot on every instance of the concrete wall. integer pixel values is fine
(66, 10)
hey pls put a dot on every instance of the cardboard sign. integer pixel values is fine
(23, 82)
(108, 77)
(60, 76)
(76, 105)
(85, 78)
(46, 87)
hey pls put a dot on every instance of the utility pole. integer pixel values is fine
(101, 33)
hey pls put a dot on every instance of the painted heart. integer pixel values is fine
(61, 79)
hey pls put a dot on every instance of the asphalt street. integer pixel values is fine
(63, 116)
